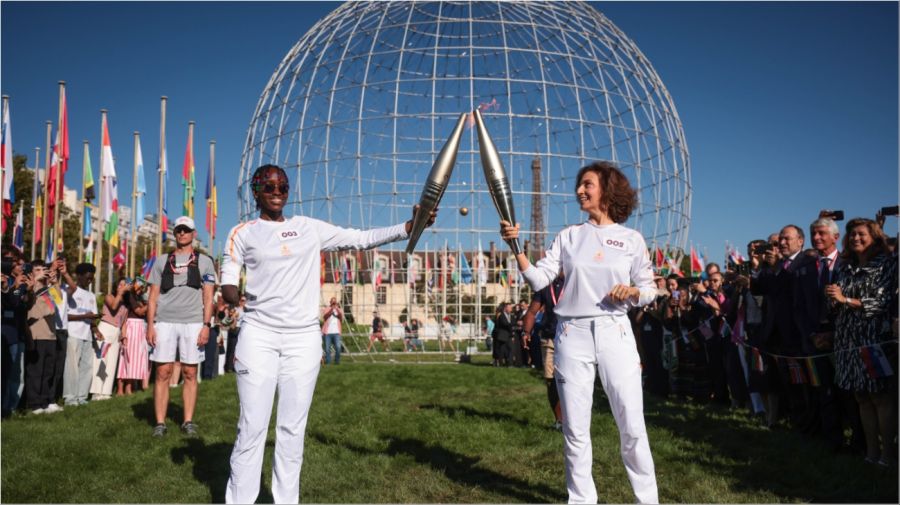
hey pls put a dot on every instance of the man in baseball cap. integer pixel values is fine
(179, 314)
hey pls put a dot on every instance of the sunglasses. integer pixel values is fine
(270, 188)
(182, 229)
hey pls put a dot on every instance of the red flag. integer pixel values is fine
(696, 266)
(322, 274)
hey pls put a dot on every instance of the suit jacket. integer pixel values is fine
(792, 305)
(503, 327)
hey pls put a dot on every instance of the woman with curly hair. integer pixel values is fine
(607, 272)
(863, 339)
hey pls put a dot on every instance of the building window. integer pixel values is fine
(381, 295)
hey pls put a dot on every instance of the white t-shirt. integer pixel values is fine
(283, 262)
(82, 302)
(595, 258)
(333, 325)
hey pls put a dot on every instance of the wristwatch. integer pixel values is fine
(208, 325)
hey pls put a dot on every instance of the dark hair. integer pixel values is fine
(672, 276)
(85, 268)
(38, 263)
(259, 175)
(799, 231)
(618, 198)
(712, 264)
(879, 239)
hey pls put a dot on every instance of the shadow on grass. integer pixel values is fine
(457, 467)
(461, 411)
(211, 467)
(143, 411)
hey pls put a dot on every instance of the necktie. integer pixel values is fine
(787, 264)
(825, 273)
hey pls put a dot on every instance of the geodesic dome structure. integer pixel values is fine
(358, 109)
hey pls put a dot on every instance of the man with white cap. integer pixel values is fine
(179, 312)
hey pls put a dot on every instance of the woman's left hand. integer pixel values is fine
(621, 292)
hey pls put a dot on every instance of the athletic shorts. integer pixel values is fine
(180, 337)
(547, 351)
(376, 336)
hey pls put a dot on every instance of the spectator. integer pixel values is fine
(80, 351)
(503, 329)
(16, 293)
(763, 376)
(412, 329)
(545, 300)
(59, 293)
(866, 286)
(445, 336)
(331, 329)
(489, 333)
(209, 368)
(106, 357)
(40, 358)
(134, 364)
(377, 332)
(651, 333)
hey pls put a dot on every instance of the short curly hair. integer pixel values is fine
(618, 198)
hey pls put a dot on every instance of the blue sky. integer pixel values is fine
(788, 108)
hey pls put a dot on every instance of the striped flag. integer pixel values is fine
(137, 213)
(376, 270)
(876, 363)
(6, 160)
(756, 359)
(796, 372)
(89, 251)
(109, 214)
(19, 232)
(212, 204)
(188, 180)
(813, 372)
(87, 191)
(696, 264)
(148, 265)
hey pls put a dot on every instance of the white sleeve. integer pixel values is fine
(642, 273)
(542, 273)
(233, 259)
(335, 238)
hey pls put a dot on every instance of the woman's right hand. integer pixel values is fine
(508, 232)
(151, 334)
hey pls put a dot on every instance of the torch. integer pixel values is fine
(496, 179)
(436, 183)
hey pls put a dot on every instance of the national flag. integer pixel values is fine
(212, 204)
(813, 372)
(504, 279)
(706, 330)
(345, 271)
(322, 273)
(376, 270)
(412, 270)
(59, 158)
(6, 167)
(796, 372)
(756, 359)
(482, 268)
(162, 165)
(119, 259)
(660, 262)
(673, 265)
(39, 214)
(335, 268)
(19, 232)
(109, 214)
(429, 272)
(89, 251)
(737, 335)
(188, 180)
(148, 265)
(137, 212)
(87, 191)
(466, 271)
(696, 265)
(356, 265)
(876, 363)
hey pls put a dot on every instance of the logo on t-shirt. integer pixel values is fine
(599, 255)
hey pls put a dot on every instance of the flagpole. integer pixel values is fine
(212, 195)
(5, 107)
(58, 170)
(100, 220)
(162, 172)
(34, 193)
(83, 204)
(137, 140)
(45, 217)
(189, 211)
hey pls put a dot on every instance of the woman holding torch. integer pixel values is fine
(607, 271)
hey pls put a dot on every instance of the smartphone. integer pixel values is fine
(890, 211)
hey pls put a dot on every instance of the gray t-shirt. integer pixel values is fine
(182, 303)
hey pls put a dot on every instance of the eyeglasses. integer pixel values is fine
(270, 188)
(182, 229)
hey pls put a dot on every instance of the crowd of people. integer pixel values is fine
(64, 346)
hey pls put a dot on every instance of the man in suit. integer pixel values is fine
(792, 317)
(503, 328)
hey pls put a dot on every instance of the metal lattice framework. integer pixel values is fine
(361, 105)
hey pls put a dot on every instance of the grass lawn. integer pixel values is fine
(408, 433)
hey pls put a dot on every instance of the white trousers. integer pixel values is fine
(604, 346)
(266, 360)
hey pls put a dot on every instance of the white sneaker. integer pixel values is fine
(52, 408)
(38, 411)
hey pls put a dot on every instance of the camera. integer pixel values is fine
(27, 268)
(8, 267)
(834, 215)
(762, 249)
(889, 211)
(742, 269)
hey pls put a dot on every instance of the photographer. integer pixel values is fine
(41, 346)
(331, 329)
(682, 363)
(16, 286)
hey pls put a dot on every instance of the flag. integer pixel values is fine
(19, 232)
(376, 270)
(6, 160)
(796, 372)
(39, 214)
(737, 335)
(696, 265)
(673, 265)
(212, 205)
(660, 262)
(59, 158)
(187, 177)
(813, 372)
(757, 364)
(109, 214)
(504, 279)
(345, 271)
(163, 166)
(482, 268)
(89, 251)
(356, 265)
(137, 212)
(119, 259)
(429, 272)
(876, 363)
(148, 265)
(335, 269)
(412, 270)
(322, 274)
(465, 269)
